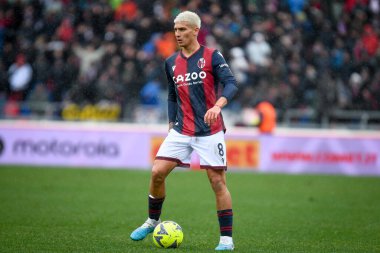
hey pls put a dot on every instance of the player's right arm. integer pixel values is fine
(172, 98)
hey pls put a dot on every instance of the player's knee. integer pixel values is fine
(160, 170)
(158, 176)
(218, 184)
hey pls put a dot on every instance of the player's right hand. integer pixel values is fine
(212, 115)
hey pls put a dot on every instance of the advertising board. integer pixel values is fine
(134, 146)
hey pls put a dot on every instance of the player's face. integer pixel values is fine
(185, 34)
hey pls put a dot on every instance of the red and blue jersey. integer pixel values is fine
(195, 84)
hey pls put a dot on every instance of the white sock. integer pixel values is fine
(150, 223)
(227, 240)
(153, 221)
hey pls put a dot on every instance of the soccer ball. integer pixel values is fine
(167, 234)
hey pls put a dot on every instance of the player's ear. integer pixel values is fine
(196, 31)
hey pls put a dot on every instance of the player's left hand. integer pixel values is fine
(212, 115)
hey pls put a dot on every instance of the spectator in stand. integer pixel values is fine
(150, 93)
(126, 11)
(3, 80)
(166, 45)
(20, 76)
(239, 66)
(39, 94)
(296, 6)
(2, 28)
(65, 31)
(258, 50)
(88, 55)
(370, 40)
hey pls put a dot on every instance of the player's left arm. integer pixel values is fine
(223, 73)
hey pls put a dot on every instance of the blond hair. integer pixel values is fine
(188, 16)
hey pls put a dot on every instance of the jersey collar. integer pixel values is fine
(183, 56)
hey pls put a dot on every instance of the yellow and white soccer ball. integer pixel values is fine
(168, 234)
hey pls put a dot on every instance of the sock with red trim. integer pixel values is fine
(155, 206)
(225, 222)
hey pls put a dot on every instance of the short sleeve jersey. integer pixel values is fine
(194, 84)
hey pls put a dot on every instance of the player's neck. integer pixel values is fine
(191, 49)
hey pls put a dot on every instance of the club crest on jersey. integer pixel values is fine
(201, 63)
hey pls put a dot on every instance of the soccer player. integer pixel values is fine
(195, 100)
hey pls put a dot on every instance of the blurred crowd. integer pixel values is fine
(314, 54)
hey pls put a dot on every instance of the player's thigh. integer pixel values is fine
(176, 148)
(212, 151)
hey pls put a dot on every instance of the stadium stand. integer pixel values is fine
(316, 61)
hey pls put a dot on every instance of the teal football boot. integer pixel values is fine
(141, 232)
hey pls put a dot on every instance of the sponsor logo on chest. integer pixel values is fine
(195, 77)
(189, 77)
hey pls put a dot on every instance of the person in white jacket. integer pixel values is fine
(239, 65)
(20, 75)
(258, 50)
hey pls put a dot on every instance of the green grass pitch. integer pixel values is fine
(94, 210)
